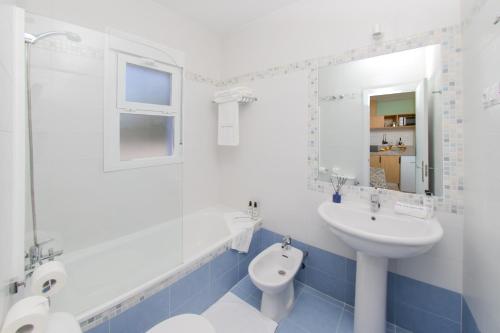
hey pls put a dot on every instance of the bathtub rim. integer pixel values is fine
(113, 307)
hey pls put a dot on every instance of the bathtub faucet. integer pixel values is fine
(36, 255)
(286, 243)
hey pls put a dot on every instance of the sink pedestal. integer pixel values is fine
(371, 294)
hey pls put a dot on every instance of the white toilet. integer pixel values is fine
(273, 272)
(61, 322)
(185, 323)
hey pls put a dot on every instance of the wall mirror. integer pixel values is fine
(381, 121)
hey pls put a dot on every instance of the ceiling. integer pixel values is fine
(224, 15)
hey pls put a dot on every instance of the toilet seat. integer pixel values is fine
(186, 323)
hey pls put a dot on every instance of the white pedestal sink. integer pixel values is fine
(376, 237)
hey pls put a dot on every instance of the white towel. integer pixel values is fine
(236, 92)
(228, 127)
(417, 211)
(243, 234)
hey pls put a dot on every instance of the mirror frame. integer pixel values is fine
(452, 112)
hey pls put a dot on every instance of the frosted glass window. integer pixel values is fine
(147, 85)
(145, 136)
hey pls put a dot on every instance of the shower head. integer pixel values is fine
(32, 39)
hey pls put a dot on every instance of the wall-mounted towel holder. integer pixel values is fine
(229, 101)
(243, 100)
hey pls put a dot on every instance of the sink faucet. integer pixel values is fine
(286, 243)
(374, 202)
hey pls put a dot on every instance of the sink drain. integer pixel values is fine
(281, 272)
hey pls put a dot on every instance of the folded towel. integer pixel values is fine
(231, 95)
(234, 91)
(417, 211)
(228, 124)
(243, 234)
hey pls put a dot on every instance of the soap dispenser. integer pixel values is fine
(250, 209)
(255, 212)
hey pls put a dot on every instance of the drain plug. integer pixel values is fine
(281, 272)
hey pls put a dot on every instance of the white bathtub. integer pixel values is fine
(112, 272)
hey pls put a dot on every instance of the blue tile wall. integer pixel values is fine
(193, 293)
(411, 304)
(469, 324)
(421, 307)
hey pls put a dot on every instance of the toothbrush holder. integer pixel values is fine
(337, 197)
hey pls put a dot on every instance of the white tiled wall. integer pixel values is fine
(145, 18)
(11, 182)
(75, 196)
(312, 28)
(482, 158)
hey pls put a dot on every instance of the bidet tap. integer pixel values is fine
(374, 202)
(286, 242)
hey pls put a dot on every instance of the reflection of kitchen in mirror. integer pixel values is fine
(392, 142)
(380, 121)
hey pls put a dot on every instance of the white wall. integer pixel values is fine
(313, 28)
(482, 134)
(145, 18)
(270, 165)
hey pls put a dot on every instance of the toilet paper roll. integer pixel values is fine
(48, 279)
(28, 315)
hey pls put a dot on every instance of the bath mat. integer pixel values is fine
(231, 314)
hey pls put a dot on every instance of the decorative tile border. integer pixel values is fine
(453, 144)
(71, 48)
(196, 77)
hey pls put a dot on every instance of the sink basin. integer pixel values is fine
(382, 234)
(376, 237)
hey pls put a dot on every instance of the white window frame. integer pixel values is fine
(122, 49)
(123, 104)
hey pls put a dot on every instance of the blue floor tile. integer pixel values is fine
(439, 301)
(245, 287)
(420, 321)
(287, 326)
(346, 322)
(321, 295)
(315, 314)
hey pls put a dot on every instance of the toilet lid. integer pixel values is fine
(186, 323)
(61, 322)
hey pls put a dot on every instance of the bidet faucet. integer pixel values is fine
(374, 202)
(286, 242)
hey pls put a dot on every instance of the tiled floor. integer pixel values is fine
(314, 312)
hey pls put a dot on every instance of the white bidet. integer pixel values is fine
(273, 272)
